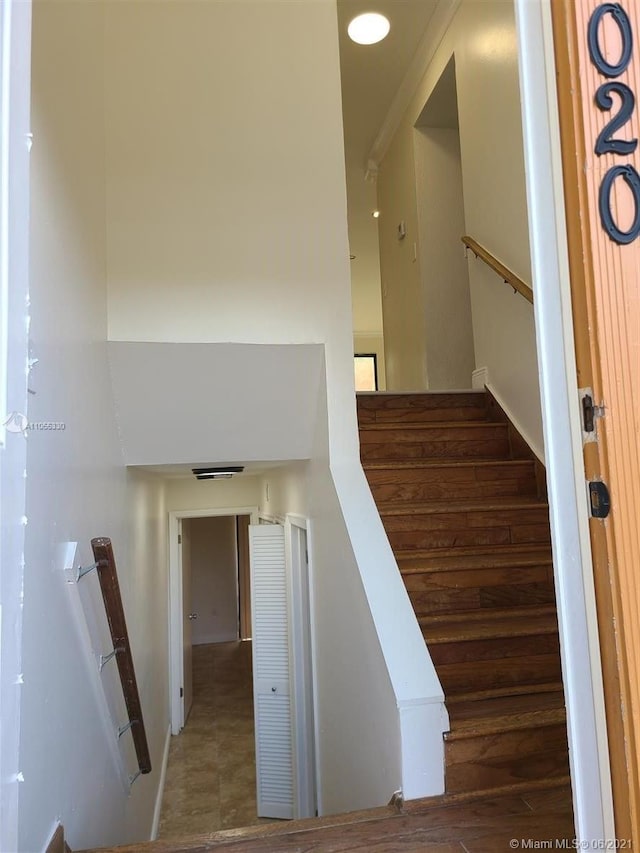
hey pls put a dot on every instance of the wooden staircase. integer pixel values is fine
(463, 502)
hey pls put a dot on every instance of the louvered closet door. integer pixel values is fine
(271, 672)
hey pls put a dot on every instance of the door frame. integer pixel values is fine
(304, 691)
(569, 511)
(176, 660)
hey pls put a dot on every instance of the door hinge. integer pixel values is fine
(179, 538)
(589, 414)
(181, 693)
(599, 499)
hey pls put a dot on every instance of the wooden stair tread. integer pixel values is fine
(410, 565)
(426, 804)
(477, 505)
(459, 559)
(507, 723)
(494, 612)
(421, 394)
(434, 426)
(443, 462)
(491, 626)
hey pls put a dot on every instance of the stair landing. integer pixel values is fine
(449, 824)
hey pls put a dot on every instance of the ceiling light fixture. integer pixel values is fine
(217, 473)
(375, 214)
(369, 28)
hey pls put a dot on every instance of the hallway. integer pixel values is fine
(210, 782)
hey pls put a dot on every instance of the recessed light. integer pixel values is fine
(375, 214)
(369, 28)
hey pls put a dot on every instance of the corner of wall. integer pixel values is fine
(155, 825)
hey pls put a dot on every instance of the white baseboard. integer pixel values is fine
(480, 378)
(538, 451)
(155, 826)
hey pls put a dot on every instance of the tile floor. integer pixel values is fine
(211, 774)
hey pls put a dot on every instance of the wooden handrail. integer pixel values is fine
(504, 272)
(108, 576)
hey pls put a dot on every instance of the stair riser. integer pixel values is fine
(420, 540)
(525, 741)
(506, 758)
(411, 408)
(468, 527)
(475, 518)
(427, 581)
(436, 592)
(446, 485)
(414, 416)
(470, 598)
(500, 648)
(457, 678)
(393, 449)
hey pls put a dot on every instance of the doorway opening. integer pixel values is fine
(218, 614)
(450, 356)
(210, 779)
(365, 365)
(216, 587)
(221, 612)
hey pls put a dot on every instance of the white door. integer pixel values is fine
(184, 543)
(271, 672)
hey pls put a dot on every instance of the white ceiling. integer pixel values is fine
(371, 76)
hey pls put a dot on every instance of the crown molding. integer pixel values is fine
(429, 43)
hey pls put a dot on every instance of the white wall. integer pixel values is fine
(215, 234)
(370, 653)
(365, 267)
(405, 334)
(214, 579)
(77, 486)
(285, 490)
(15, 35)
(215, 403)
(445, 277)
(218, 233)
(482, 37)
(189, 493)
